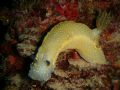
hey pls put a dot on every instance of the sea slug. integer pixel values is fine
(63, 36)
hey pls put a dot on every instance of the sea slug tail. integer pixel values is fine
(103, 20)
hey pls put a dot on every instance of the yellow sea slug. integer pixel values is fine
(63, 36)
(69, 35)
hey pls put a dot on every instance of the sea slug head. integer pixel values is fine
(41, 68)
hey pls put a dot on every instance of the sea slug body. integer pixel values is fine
(63, 36)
